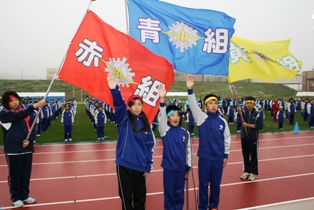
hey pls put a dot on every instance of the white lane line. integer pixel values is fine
(157, 170)
(159, 193)
(280, 203)
(194, 154)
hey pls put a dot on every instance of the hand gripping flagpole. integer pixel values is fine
(49, 87)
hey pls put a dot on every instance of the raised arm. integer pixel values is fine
(163, 117)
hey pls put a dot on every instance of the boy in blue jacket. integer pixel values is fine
(67, 121)
(280, 117)
(177, 153)
(214, 145)
(100, 122)
(135, 147)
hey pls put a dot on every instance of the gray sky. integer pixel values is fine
(35, 34)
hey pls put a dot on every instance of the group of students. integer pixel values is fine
(48, 113)
(99, 112)
(136, 143)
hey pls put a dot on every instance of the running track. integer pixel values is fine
(82, 176)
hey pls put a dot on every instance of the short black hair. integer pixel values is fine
(250, 98)
(171, 107)
(210, 95)
(6, 98)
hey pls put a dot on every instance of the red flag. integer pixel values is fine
(97, 49)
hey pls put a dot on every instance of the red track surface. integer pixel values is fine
(82, 176)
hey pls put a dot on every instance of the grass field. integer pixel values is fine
(265, 90)
(83, 130)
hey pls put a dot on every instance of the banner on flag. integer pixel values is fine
(97, 49)
(195, 41)
(262, 60)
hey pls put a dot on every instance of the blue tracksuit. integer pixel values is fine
(249, 140)
(134, 149)
(100, 120)
(280, 118)
(231, 113)
(214, 144)
(134, 154)
(67, 120)
(176, 144)
(291, 113)
(16, 125)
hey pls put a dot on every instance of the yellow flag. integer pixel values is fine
(266, 61)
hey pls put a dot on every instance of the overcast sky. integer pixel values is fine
(35, 34)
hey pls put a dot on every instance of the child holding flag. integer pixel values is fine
(177, 153)
(213, 150)
(252, 123)
(18, 150)
(135, 147)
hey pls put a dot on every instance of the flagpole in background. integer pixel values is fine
(50, 85)
(127, 17)
(237, 101)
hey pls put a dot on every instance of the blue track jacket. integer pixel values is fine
(134, 149)
(174, 142)
(255, 118)
(213, 130)
(15, 130)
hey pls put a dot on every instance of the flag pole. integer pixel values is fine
(126, 17)
(187, 138)
(237, 101)
(49, 87)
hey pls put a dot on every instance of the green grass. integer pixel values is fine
(83, 130)
(265, 90)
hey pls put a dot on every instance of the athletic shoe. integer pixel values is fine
(30, 200)
(251, 177)
(18, 204)
(65, 139)
(245, 176)
(70, 139)
(98, 138)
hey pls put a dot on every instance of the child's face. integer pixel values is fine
(14, 103)
(212, 106)
(249, 105)
(174, 119)
(137, 107)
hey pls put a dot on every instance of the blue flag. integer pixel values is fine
(195, 41)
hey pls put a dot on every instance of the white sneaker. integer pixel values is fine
(251, 177)
(245, 176)
(18, 204)
(70, 139)
(65, 139)
(30, 200)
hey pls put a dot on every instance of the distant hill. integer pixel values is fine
(201, 88)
